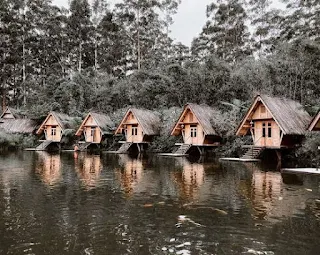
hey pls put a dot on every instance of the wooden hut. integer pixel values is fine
(273, 123)
(315, 123)
(13, 123)
(139, 127)
(53, 128)
(196, 125)
(10, 113)
(94, 128)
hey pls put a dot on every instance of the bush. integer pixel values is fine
(309, 152)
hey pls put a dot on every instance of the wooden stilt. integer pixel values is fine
(201, 150)
(279, 158)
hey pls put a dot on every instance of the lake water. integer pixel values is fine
(112, 204)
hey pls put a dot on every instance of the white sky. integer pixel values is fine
(188, 22)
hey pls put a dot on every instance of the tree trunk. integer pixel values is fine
(95, 53)
(138, 38)
(4, 101)
(24, 70)
(80, 57)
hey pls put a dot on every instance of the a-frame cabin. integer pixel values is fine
(138, 126)
(95, 127)
(12, 122)
(273, 123)
(196, 125)
(53, 128)
(10, 113)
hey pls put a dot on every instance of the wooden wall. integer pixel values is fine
(131, 122)
(190, 121)
(260, 117)
(87, 127)
(49, 125)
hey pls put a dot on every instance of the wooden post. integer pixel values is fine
(278, 153)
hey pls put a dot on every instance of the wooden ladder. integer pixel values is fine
(183, 149)
(84, 146)
(43, 146)
(253, 153)
(124, 148)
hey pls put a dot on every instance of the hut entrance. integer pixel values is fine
(266, 133)
(92, 134)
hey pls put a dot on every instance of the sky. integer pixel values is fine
(188, 22)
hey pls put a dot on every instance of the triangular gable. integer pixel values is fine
(181, 118)
(41, 128)
(251, 110)
(7, 111)
(204, 115)
(314, 121)
(80, 130)
(124, 119)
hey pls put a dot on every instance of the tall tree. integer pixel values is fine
(226, 33)
(79, 29)
(143, 27)
(302, 20)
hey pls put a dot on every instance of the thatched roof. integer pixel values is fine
(21, 126)
(289, 115)
(11, 113)
(64, 120)
(205, 115)
(103, 122)
(314, 122)
(148, 120)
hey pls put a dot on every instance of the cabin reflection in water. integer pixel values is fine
(129, 174)
(269, 196)
(48, 167)
(89, 168)
(190, 179)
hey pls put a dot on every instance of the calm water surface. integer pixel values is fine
(113, 204)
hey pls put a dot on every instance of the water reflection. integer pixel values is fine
(189, 179)
(48, 167)
(271, 199)
(130, 173)
(233, 209)
(88, 168)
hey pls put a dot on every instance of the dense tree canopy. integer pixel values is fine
(94, 56)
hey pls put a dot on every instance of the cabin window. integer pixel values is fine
(269, 130)
(134, 130)
(263, 129)
(193, 131)
(53, 131)
(92, 131)
(262, 109)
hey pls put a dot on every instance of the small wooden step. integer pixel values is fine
(124, 148)
(253, 153)
(43, 146)
(183, 149)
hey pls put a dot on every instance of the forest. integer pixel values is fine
(97, 56)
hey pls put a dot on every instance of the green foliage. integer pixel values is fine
(16, 141)
(309, 151)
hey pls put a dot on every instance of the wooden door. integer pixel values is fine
(267, 134)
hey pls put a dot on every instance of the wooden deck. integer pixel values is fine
(171, 155)
(239, 159)
(301, 170)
